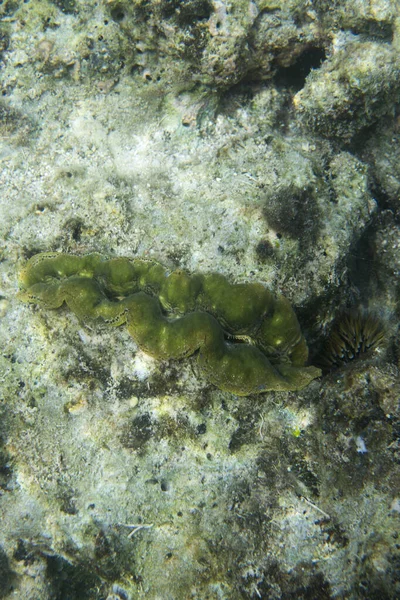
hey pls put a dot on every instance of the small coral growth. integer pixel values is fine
(355, 334)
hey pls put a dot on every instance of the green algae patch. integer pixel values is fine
(248, 341)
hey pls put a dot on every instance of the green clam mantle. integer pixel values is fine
(248, 340)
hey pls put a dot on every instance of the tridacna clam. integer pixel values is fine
(248, 340)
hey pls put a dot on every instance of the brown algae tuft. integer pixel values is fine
(354, 335)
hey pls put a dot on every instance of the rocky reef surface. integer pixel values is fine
(254, 139)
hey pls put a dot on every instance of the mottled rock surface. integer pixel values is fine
(257, 139)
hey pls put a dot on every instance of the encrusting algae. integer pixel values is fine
(249, 341)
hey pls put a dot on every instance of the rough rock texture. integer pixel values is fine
(383, 154)
(258, 139)
(356, 86)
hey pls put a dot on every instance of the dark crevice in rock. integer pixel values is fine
(295, 75)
